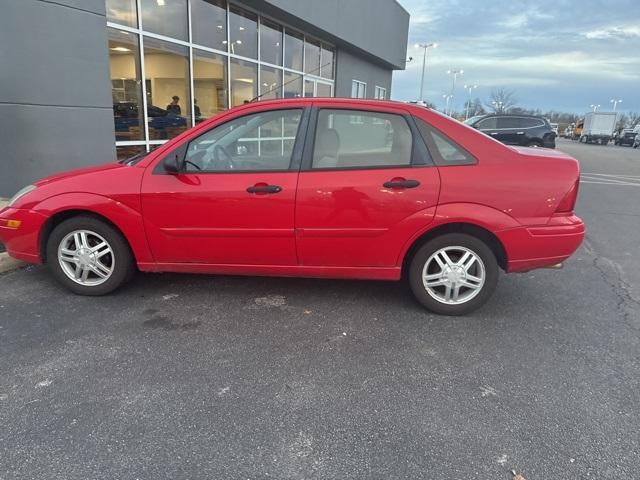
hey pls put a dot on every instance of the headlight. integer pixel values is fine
(21, 193)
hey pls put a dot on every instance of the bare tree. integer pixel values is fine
(634, 119)
(502, 99)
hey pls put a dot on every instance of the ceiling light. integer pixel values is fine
(120, 49)
(244, 80)
(160, 3)
(220, 27)
(224, 42)
(239, 42)
(241, 29)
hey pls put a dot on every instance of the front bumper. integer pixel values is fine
(542, 246)
(20, 232)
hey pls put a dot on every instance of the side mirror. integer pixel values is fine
(172, 165)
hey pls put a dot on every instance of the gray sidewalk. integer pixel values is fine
(6, 262)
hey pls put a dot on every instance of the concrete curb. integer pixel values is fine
(8, 263)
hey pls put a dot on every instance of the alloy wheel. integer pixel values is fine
(86, 258)
(453, 275)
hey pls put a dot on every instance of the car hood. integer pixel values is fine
(77, 172)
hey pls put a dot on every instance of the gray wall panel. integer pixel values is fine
(95, 6)
(59, 55)
(350, 67)
(55, 103)
(37, 141)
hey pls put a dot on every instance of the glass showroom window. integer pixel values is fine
(220, 79)
(270, 42)
(244, 78)
(165, 17)
(243, 33)
(209, 23)
(308, 88)
(126, 85)
(326, 70)
(166, 68)
(292, 85)
(122, 12)
(209, 84)
(311, 57)
(270, 82)
(323, 90)
(293, 49)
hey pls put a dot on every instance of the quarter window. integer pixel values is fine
(375, 140)
(444, 151)
(258, 142)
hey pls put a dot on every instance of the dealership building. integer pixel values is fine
(86, 81)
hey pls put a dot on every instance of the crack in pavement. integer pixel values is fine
(619, 286)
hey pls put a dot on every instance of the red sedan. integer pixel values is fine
(329, 187)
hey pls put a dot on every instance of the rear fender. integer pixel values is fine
(478, 215)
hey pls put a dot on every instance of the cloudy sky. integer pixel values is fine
(555, 54)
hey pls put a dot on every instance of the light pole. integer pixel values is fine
(447, 97)
(426, 47)
(615, 103)
(455, 74)
(469, 88)
(595, 107)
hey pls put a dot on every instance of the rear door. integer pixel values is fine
(366, 186)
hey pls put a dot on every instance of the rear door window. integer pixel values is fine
(361, 139)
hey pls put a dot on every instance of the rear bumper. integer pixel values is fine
(542, 246)
(20, 231)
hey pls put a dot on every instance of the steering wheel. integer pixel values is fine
(225, 163)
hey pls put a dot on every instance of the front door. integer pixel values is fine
(233, 200)
(366, 186)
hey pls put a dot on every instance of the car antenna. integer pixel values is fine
(254, 99)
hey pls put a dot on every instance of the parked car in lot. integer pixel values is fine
(523, 130)
(626, 137)
(309, 187)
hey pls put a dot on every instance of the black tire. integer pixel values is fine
(123, 263)
(534, 143)
(479, 248)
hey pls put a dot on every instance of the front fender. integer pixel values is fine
(122, 215)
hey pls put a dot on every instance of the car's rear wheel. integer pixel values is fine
(89, 256)
(453, 274)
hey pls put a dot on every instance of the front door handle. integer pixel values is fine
(261, 188)
(401, 183)
(519, 133)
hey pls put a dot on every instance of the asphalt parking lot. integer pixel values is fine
(189, 377)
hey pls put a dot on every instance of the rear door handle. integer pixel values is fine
(264, 188)
(519, 133)
(401, 183)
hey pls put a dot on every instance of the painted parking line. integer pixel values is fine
(610, 179)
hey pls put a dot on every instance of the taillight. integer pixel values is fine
(569, 201)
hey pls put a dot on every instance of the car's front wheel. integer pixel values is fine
(89, 256)
(453, 274)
